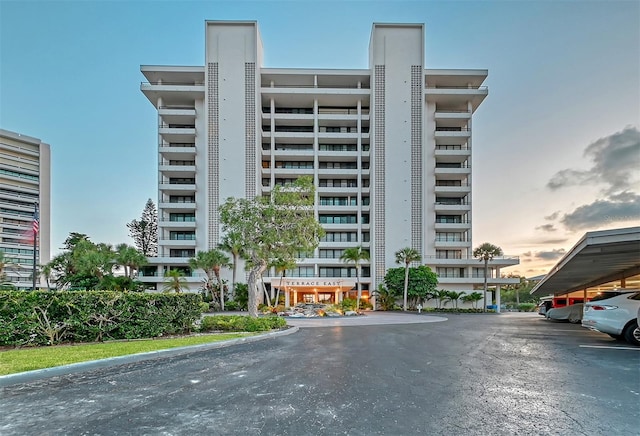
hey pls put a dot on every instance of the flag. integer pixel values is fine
(35, 227)
(29, 236)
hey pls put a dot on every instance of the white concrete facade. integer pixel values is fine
(25, 178)
(389, 149)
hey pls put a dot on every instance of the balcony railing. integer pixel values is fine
(173, 83)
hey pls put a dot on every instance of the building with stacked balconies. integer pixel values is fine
(25, 174)
(389, 148)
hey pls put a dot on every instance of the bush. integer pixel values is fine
(46, 318)
(231, 305)
(204, 307)
(526, 307)
(239, 323)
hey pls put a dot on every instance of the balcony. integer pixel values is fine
(450, 115)
(174, 187)
(178, 207)
(180, 225)
(451, 171)
(451, 244)
(183, 150)
(460, 190)
(450, 94)
(185, 243)
(177, 170)
(173, 93)
(452, 226)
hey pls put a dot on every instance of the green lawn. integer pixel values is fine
(28, 359)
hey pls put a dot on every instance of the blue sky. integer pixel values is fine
(556, 143)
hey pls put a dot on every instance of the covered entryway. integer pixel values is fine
(314, 290)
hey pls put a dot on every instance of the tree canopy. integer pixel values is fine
(421, 284)
(274, 227)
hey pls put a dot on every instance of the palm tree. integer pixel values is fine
(174, 281)
(355, 255)
(473, 298)
(486, 252)
(406, 256)
(454, 296)
(232, 245)
(211, 262)
(130, 259)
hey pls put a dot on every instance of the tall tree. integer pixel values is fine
(486, 252)
(232, 244)
(211, 262)
(406, 256)
(144, 232)
(355, 255)
(270, 228)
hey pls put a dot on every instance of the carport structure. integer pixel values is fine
(601, 260)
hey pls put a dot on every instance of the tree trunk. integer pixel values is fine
(359, 289)
(254, 293)
(233, 278)
(406, 285)
(221, 287)
(484, 295)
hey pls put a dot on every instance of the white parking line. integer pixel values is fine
(610, 347)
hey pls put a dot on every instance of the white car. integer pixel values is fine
(572, 313)
(616, 316)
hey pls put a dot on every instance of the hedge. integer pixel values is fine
(239, 323)
(51, 317)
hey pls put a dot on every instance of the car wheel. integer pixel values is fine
(630, 335)
(574, 320)
(636, 335)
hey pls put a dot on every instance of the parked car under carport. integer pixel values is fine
(572, 313)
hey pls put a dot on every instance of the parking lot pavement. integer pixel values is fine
(479, 374)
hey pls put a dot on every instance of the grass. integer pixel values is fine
(28, 359)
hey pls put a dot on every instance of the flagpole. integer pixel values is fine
(35, 240)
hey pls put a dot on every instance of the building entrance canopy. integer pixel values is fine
(311, 283)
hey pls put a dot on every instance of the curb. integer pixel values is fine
(38, 374)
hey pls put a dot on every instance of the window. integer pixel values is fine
(182, 199)
(182, 253)
(182, 236)
(182, 181)
(337, 219)
(182, 217)
(340, 237)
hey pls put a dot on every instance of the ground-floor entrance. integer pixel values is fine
(314, 290)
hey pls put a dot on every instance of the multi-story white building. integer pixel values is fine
(25, 179)
(389, 148)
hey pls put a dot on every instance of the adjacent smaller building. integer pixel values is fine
(25, 179)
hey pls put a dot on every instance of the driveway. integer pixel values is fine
(469, 375)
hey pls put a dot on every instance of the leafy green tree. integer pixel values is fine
(486, 252)
(276, 227)
(232, 244)
(174, 281)
(356, 255)
(242, 296)
(406, 256)
(144, 231)
(519, 292)
(83, 264)
(472, 298)
(422, 282)
(211, 262)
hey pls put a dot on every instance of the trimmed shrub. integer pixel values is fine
(204, 307)
(526, 307)
(50, 317)
(239, 323)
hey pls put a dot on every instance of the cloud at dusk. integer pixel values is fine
(624, 207)
(615, 162)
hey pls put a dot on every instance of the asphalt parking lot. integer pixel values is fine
(506, 374)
